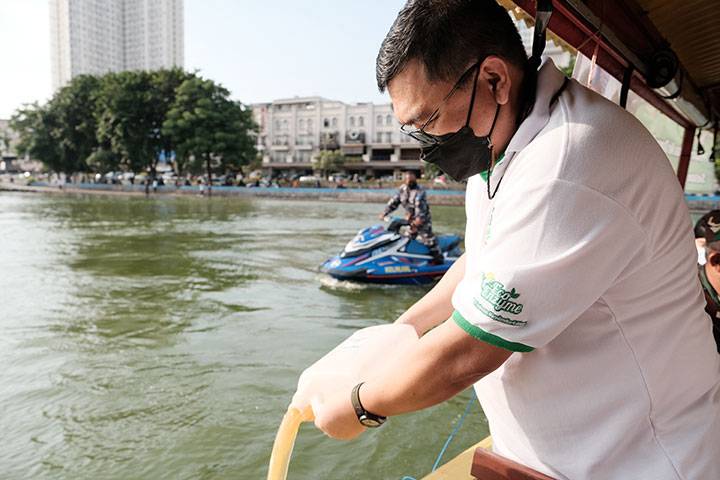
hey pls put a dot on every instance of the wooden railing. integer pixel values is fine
(487, 465)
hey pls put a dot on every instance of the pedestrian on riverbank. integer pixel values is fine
(576, 311)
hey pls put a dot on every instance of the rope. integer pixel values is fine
(450, 437)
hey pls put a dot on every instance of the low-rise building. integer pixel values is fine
(293, 131)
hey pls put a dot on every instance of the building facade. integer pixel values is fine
(100, 36)
(293, 131)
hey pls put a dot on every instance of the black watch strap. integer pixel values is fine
(366, 418)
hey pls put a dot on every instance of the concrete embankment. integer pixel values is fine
(363, 195)
(696, 203)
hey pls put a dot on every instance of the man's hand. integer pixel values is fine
(382, 216)
(417, 222)
(335, 416)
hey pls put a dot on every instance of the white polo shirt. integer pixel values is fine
(584, 265)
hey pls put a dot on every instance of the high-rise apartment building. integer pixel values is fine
(100, 36)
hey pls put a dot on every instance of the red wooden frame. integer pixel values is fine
(577, 32)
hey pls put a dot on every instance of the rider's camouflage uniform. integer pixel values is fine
(414, 201)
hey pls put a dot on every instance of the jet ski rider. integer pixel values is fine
(413, 199)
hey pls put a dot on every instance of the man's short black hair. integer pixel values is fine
(702, 223)
(446, 36)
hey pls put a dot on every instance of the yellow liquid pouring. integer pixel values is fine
(285, 441)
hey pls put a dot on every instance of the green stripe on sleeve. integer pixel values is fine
(486, 337)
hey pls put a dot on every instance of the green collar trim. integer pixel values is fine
(487, 337)
(708, 286)
(484, 173)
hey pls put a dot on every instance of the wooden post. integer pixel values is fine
(684, 161)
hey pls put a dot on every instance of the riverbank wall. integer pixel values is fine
(696, 203)
(360, 195)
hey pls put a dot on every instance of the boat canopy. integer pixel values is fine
(666, 51)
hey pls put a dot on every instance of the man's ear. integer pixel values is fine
(713, 260)
(495, 73)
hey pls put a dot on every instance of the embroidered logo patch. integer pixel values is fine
(499, 299)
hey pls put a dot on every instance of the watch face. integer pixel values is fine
(370, 422)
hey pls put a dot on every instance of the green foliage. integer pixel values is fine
(74, 108)
(211, 131)
(131, 110)
(568, 70)
(328, 161)
(5, 143)
(122, 121)
(102, 160)
(36, 127)
(430, 170)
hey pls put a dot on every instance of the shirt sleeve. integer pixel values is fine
(550, 252)
(392, 204)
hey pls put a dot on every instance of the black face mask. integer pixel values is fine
(462, 154)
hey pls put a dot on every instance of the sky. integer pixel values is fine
(259, 50)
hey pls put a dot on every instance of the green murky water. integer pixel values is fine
(162, 338)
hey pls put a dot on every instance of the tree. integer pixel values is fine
(132, 109)
(5, 143)
(125, 121)
(208, 129)
(103, 160)
(61, 134)
(431, 170)
(74, 106)
(35, 126)
(328, 161)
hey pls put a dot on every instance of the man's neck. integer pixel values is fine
(507, 122)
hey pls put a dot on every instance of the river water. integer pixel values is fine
(162, 338)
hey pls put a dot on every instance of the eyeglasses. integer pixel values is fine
(427, 139)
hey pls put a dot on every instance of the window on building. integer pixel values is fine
(378, 137)
(334, 121)
(361, 121)
(285, 125)
(326, 122)
(302, 124)
(378, 120)
(388, 120)
(309, 124)
(277, 124)
(388, 137)
(352, 121)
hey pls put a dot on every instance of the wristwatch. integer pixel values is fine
(366, 418)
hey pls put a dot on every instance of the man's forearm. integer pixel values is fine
(437, 367)
(435, 307)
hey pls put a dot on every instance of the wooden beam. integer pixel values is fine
(491, 466)
(685, 153)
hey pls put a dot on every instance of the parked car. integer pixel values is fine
(338, 177)
(308, 179)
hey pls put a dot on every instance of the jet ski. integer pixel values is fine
(391, 256)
